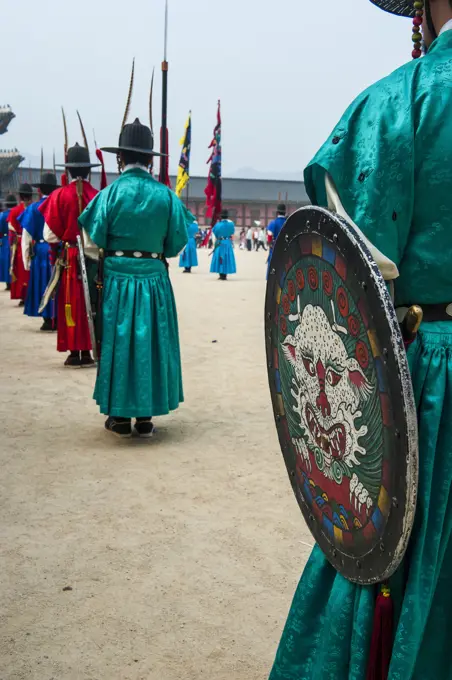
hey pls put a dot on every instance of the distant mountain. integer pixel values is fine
(252, 173)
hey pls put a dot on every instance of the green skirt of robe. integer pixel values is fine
(140, 368)
(328, 631)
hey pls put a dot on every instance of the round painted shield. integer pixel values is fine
(342, 395)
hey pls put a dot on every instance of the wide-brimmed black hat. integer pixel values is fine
(135, 137)
(78, 157)
(25, 189)
(403, 8)
(10, 201)
(48, 181)
(281, 208)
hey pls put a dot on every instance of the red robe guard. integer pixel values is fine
(61, 211)
(19, 276)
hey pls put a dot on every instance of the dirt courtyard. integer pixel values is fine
(182, 552)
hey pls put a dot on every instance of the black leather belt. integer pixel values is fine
(432, 312)
(136, 254)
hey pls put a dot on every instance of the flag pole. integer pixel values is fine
(164, 130)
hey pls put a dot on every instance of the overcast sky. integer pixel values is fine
(284, 71)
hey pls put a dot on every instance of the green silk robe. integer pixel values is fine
(140, 371)
(390, 158)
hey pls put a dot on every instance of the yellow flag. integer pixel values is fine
(183, 174)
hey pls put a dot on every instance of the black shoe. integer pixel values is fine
(87, 361)
(47, 326)
(8, 286)
(73, 361)
(187, 270)
(144, 427)
(21, 304)
(120, 427)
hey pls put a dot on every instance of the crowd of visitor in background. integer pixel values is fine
(251, 238)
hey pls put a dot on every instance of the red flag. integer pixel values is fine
(213, 188)
(103, 175)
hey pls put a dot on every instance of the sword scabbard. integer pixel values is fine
(87, 297)
(99, 301)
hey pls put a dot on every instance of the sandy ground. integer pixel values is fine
(182, 553)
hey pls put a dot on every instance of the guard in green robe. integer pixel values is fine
(138, 223)
(388, 167)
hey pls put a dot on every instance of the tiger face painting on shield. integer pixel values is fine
(329, 389)
(328, 365)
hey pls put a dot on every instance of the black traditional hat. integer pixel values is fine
(404, 8)
(135, 137)
(281, 209)
(25, 189)
(48, 182)
(10, 201)
(78, 157)
(225, 214)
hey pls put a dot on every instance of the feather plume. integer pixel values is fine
(85, 139)
(66, 143)
(151, 96)
(129, 96)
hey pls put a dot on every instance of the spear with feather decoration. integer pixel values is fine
(151, 117)
(84, 137)
(164, 176)
(64, 179)
(70, 323)
(151, 96)
(128, 103)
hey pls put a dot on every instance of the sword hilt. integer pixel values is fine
(411, 323)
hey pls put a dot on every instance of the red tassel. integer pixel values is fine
(64, 179)
(103, 175)
(205, 243)
(382, 636)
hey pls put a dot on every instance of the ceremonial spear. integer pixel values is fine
(85, 139)
(163, 176)
(64, 176)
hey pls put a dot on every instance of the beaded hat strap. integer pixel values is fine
(417, 23)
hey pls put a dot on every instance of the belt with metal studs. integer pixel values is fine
(136, 254)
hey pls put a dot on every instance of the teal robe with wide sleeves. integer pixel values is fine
(140, 368)
(390, 159)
